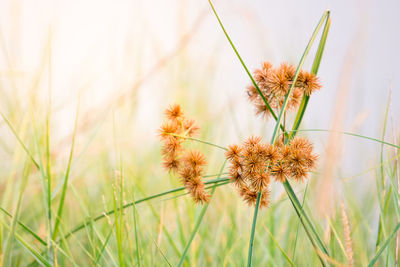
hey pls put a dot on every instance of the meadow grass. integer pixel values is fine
(105, 204)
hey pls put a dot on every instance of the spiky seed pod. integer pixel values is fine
(233, 152)
(248, 195)
(194, 158)
(259, 181)
(265, 198)
(174, 112)
(295, 99)
(278, 83)
(274, 84)
(262, 109)
(271, 153)
(289, 71)
(280, 171)
(171, 163)
(187, 163)
(189, 127)
(172, 145)
(251, 142)
(252, 93)
(168, 128)
(309, 82)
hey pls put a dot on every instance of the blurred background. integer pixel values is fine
(124, 62)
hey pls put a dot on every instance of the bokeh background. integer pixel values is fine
(126, 61)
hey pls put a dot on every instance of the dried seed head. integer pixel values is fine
(174, 112)
(194, 158)
(189, 127)
(265, 198)
(278, 83)
(172, 145)
(171, 163)
(233, 152)
(168, 128)
(280, 171)
(309, 82)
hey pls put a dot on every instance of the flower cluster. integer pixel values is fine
(187, 163)
(253, 164)
(274, 83)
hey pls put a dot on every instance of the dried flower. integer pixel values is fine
(253, 164)
(274, 83)
(188, 164)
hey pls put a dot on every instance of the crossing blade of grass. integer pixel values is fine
(287, 186)
(198, 222)
(24, 147)
(335, 234)
(314, 70)
(244, 66)
(26, 228)
(66, 177)
(280, 248)
(38, 257)
(110, 212)
(44, 183)
(105, 243)
(384, 246)
(298, 225)
(9, 242)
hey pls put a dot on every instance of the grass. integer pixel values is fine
(98, 196)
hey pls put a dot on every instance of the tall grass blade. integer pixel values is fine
(38, 257)
(273, 139)
(244, 65)
(66, 178)
(314, 70)
(384, 246)
(19, 140)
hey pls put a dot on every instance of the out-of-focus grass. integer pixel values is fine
(111, 167)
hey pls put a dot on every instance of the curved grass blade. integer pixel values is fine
(65, 185)
(287, 186)
(9, 242)
(20, 141)
(244, 65)
(38, 257)
(280, 248)
(314, 70)
(384, 246)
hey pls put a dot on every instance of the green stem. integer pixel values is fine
(244, 65)
(253, 229)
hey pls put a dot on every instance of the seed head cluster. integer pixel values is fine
(274, 83)
(188, 164)
(253, 164)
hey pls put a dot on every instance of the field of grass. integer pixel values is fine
(82, 182)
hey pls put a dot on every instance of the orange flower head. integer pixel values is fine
(194, 158)
(174, 112)
(171, 163)
(310, 82)
(233, 152)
